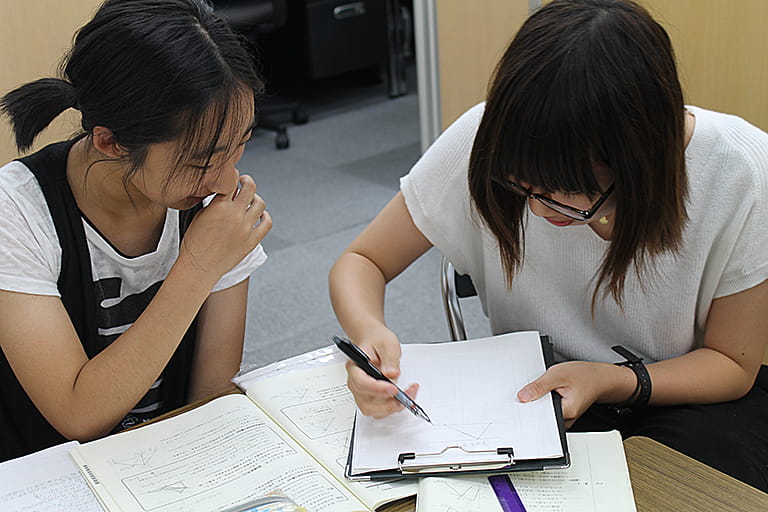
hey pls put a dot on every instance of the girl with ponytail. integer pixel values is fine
(121, 296)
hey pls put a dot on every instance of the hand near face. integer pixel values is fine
(225, 231)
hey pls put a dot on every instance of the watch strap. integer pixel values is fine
(642, 393)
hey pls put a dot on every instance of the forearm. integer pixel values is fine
(357, 294)
(111, 383)
(701, 376)
(220, 336)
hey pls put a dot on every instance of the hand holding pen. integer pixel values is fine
(364, 363)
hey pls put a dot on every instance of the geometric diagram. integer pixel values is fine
(141, 459)
(322, 417)
(339, 441)
(177, 487)
(290, 396)
(474, 431)
(463, 493)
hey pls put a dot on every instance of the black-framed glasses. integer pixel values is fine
(564, 209)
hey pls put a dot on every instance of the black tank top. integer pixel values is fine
(23, 429)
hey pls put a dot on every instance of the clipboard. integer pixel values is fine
(465, 461)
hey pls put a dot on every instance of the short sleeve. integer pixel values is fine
(747, 256)
(436, 192)
(30, 254)
(242, 270)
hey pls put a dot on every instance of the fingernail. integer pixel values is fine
(524, 396)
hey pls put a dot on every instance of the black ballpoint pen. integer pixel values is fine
(361, 359)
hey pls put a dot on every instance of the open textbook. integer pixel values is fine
(231, 451)
(596, 481)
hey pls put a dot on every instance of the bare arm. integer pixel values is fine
(84, 398)
(220, 334)
(724, 369)
(357, 281)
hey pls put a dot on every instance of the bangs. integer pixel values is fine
(211, 134)
(548, 141)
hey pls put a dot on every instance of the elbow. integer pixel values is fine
(76, 424)
(81, 431)
(745, 386)
(740, 386)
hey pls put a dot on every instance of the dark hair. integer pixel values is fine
(150, 71)
(585, 82)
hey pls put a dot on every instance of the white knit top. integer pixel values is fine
(725, 248)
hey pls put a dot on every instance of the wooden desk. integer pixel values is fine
(664, 480)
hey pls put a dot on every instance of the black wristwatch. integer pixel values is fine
(642, 393)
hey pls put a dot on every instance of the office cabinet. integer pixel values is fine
(324, 38)
(344, 36)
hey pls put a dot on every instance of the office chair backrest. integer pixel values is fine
(259, 16)
(455, 286)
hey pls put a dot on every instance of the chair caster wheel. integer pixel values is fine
(298, 116)
(282, 141)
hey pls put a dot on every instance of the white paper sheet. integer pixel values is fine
(47, 480)
(469, 390)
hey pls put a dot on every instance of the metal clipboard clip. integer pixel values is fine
(460, 459)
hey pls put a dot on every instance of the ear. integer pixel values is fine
(104, 141)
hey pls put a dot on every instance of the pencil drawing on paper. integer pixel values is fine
(322, 417)
(135, 460)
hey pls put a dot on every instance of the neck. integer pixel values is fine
(690, 124)
(97, 182)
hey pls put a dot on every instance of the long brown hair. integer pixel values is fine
(586, 81)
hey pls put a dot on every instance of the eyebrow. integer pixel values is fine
(251, 127)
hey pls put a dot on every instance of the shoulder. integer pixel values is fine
(19, 189)
(436, 191)
(447, 159)
(729, 155)
(727, 161)
(30, 254)
(727, 139)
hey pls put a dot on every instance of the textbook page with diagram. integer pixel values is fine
(597, 481)
(230, 451)
(315, 407)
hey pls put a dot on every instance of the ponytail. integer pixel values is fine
(150, 71)
(33, 106)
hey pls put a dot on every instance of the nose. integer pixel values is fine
(225, 180)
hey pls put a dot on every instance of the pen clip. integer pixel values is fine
(344, 342)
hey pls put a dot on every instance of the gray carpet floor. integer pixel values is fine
(341, 169)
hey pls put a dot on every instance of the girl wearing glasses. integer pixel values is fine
(122, 298)
(588, 202)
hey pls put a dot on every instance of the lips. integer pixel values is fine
(560, 223)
